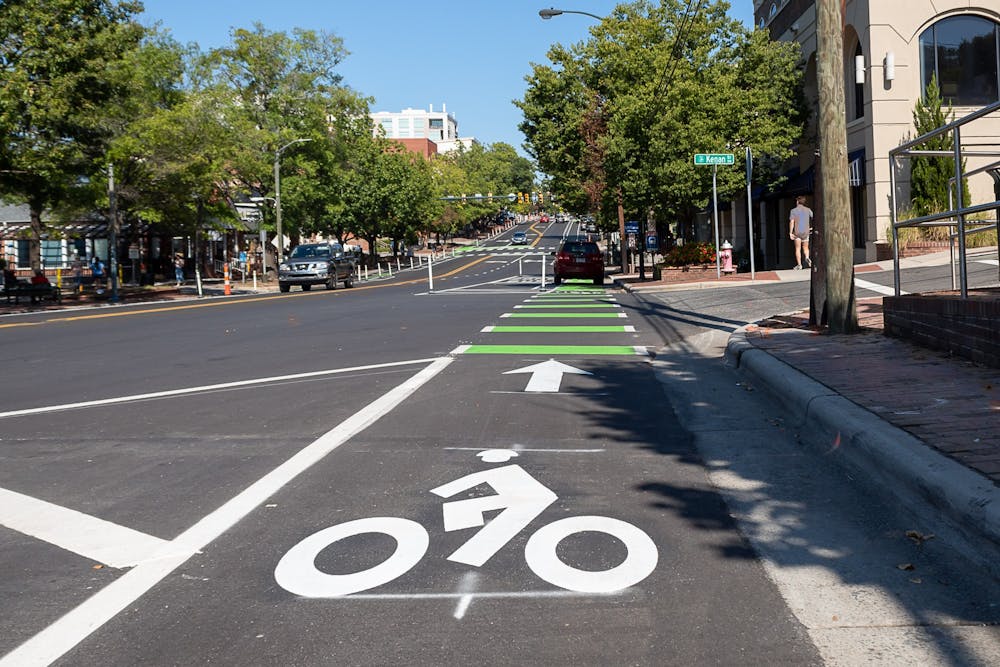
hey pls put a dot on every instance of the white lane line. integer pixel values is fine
(85, 535)
(499, 595)
(487, 329)
(61, 636)
(207, 387)
(522, 448)
(875, 287)
(991, 262)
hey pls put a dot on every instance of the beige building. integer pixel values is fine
(891, 50)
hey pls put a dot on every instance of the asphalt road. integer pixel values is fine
(304, 479)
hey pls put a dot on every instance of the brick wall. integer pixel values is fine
(968, 328)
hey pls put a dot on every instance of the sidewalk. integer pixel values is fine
(925, 425)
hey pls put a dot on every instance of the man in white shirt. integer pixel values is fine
(799, 226)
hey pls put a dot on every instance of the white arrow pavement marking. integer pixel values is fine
(547, 376)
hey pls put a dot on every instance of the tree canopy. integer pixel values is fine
(623, 112)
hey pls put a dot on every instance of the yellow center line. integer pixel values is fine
(214, 304)
(538, 238)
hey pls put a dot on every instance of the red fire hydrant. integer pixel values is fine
(726, 255)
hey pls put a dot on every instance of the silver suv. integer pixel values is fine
(316, 264)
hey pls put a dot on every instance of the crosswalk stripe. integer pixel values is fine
(555, 350)
(585, 304)
(581, 316)
(559, 329)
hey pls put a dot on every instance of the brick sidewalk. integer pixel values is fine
(948, 403)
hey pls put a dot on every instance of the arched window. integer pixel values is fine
(962, 51)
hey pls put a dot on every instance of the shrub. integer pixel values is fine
(690, 253)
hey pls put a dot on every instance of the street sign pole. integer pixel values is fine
(715, 213)
(753, 267)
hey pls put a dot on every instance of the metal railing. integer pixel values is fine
(956, 217)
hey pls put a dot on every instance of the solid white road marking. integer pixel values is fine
(875, 287)
(209, 387)
(88, 536)
(521, 448)
(61, 636)
(547, 375)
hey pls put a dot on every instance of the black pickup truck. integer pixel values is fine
(316, 264)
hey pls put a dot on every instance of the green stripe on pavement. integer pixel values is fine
(560, 329)
(576, 350)
(584, 304)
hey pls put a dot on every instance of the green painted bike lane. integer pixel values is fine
(567, 303)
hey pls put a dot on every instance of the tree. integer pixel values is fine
(65, 71)
(282, 87)
(929, 176)
(623, 113)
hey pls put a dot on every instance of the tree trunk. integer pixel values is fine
(842, 313)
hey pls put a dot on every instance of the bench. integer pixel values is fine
(34, 293)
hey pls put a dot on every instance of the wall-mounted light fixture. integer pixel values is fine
(889, 66)
(859, 69)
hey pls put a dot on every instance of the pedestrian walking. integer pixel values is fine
(77, 267)
(98, 269)
(799, 227)
(179, 268)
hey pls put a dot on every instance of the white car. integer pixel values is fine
(519, 238)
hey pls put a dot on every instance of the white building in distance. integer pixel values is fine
(439, 127)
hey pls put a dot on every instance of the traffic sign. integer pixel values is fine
(714, 158)
(652, 242)
(631, 226)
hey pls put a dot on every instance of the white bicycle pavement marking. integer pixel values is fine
(61, 636)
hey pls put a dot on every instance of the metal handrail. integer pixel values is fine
(952, 218)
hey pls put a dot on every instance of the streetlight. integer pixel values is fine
(277, 197)
(550, 12)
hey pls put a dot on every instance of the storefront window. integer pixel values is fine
(962, 51)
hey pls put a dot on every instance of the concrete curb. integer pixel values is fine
(884, 455)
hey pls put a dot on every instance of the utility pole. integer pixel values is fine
(841, 310)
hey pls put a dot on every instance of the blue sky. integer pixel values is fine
(471, 55)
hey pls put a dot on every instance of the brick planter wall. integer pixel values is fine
(968, 328)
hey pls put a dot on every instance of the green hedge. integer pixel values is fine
(690, 253)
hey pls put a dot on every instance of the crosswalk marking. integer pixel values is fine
(585, 304)
(582, 316)
(560, 329)
(555, 350)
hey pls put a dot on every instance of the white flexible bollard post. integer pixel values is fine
(430, 273)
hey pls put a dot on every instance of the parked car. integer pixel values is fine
(578, 259)
(519, 238)
(316, 264)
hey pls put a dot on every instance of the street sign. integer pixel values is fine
(631, 226)
(652, 242)
(714, 158)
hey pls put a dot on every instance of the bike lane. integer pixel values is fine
(602, 445)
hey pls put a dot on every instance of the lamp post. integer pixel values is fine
(550, 12)
(622, 244)
(277, 198)
(113, 234)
